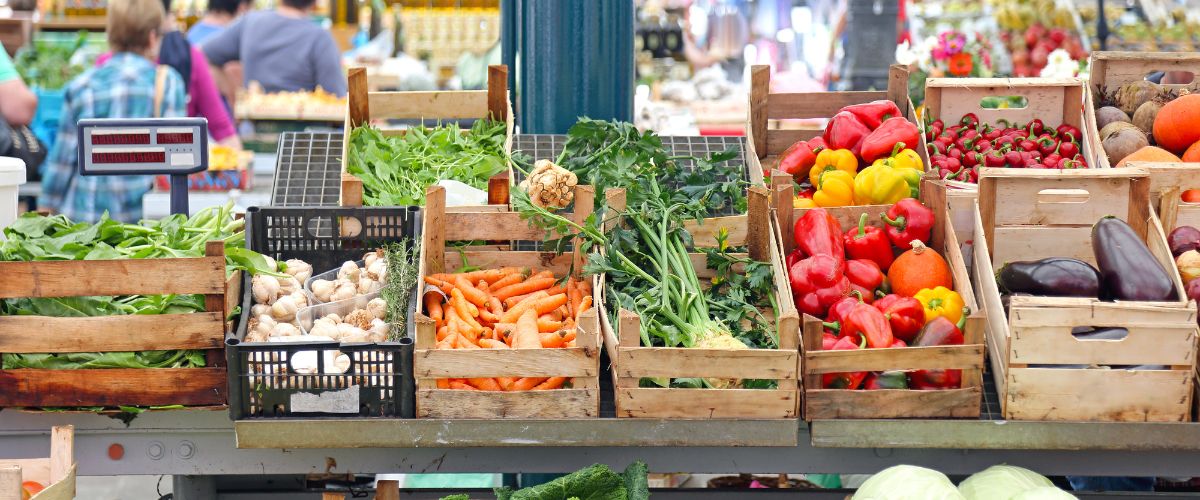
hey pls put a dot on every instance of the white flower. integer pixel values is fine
(1059, 57)
(905, 54)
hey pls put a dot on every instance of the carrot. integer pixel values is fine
(528, 286)
(513, 313)
(545, 305)
(574, 297)
(469, 292)
(495, 307)
(484, 384)
(562, 311)
(492, 344)
(484, 287)
(584, 306)
(570, 343)
(550, 340)
(547, 326)
(446, 286)
(569, 336)
(585, 286)
(510, 279)
(455, 384)
(526, 383)
(433, 306)
(505, 382)
(550, 383)
(459, 301)
(542, 274)
(465, 342)
(556, 289)
(526, 334)
(489, 275)
(555, 315)
(443, 383)
(464, 329)
(447, 343)
(442, 332)
(516, 299)
(487, 316)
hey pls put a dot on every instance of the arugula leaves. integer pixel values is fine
(396, 170)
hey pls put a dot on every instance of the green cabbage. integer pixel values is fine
(908, 482)
(1001, 482)
(1044, 493)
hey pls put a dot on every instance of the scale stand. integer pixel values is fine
(176, 147)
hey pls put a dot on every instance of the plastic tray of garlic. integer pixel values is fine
(359, 319)
(353, 279)
(277, 300)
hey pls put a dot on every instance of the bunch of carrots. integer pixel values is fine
(509, 308)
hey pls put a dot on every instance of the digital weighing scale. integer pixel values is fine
(150, 146)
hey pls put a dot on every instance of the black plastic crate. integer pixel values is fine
(263, 382)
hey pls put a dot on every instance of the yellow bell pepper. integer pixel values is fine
(941, 301)
(908, 163)
(802, 202)
(835, 188)
(833, 159)
(881, 185)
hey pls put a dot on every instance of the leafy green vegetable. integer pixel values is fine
(81, 360)
(400, 285)
(596, 482)
(396, 170)
(48, 65)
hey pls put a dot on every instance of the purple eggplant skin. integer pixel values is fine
(1182, 239)
(1051, 277)
(1128, 270)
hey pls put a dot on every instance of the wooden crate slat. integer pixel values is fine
(490, 226)
(1040, 311)
(437, 104)
(1116, 395)
(1083, 203)
(1163, 344)
(779, 140)
(800, 105)
(953, 403)
(1014, 244)
(704, 234)
(906, 358)
(202, 330)
(565, 362)
(557, 403)
(112, 277)
(1111, 70)
(559, 264)
(673, 362)
(705, 403)
(113, 387)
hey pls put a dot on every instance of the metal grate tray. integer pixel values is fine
(308, 170)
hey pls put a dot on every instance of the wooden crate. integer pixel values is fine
(1054, 100)
(632, 362)
(820, 403)
(764, 145)
(1167, 182)
(444, 105)
(1111, 70)
(56, 473)
(498, 224)
(1036, 331)
(117, 386)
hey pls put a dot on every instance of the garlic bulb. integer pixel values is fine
(378, 308)
(332, 317)
(343, 291)
(257, 310)
(360, 318)
(266, 322)
(285, 330)
(299, 269)
(367, 285)
(348, 271)
(377, 269)
(344, 330)
(289, 285)
(357, 336)
(299, 298)
(370, 258)
(284, 309)
(322, 289)
(264, 288)
(378, 331)
(324, 329)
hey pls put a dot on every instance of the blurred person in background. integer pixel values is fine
(128, 85)
(219, 15)
(204, 99)
(17, 102)
(281, 49)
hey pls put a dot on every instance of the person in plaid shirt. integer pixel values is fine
(124, 87)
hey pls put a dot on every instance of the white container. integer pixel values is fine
(12, 175)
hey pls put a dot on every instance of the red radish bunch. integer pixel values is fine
(1031, 49)
(959, 150)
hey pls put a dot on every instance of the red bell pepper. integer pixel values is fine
(838, 311)
(867, 321)
(939, 331)
(908, 220)
(864, 273)
(969, 120)
(845, 131)
(874, 113)
(906, 315)
(867, 296)
(898, 343)
(868, 242)
(817, 283)
(818, 233)
(895, 379)
(799, 158)
(1068, 149)
(882, 141)
(828, 340)
(845, 380)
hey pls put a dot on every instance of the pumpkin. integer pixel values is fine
(1177, 125)
(1192, 155)
(921, 267)
(1150, 154)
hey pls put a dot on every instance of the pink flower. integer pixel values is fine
(955, 43)
(939, 54)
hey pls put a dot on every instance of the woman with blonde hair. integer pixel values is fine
(129, 85)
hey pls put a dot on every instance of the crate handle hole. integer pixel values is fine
(1063, 196)
(1099, 333)
(1004, 102)
(1173, 77)
(305, 362)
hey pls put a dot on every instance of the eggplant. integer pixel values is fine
(1052, 277)
(1182, 239)
(1106, 333)
(1128, 271)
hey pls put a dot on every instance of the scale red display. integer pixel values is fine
(175, 138)
(120, 139)
(130, 157)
